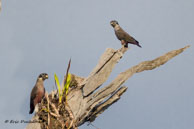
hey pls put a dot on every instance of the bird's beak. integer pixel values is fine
(46, 76)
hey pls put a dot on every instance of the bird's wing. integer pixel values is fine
(130, 39)
(122, 35)
(33, 95)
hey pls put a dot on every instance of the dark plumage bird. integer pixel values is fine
(123, 36)
(38, 91)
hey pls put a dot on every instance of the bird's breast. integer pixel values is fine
(116, 28)
(39, 96)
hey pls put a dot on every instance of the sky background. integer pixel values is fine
(41, 35)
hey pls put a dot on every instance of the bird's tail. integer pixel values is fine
(137, 43)
(31, 110)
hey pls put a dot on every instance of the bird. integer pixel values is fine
(38, 91)
(123, 36)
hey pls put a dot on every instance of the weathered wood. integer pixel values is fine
(102, 107)
(103, 69)
(34, 124)
(122, 77)
(85, 105)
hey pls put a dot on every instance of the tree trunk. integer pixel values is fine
(83, 104)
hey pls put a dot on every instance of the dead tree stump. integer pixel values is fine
(83, 104)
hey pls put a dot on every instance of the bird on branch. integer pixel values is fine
(38, 91)
(123, 36)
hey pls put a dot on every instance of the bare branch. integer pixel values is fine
(102, 107)
(103, 69)
(122, 77)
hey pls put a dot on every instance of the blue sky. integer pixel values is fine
(40, 36)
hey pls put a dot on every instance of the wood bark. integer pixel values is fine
(85, 101)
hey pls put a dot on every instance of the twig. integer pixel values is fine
(55, 109)
(71, 116)
(46, 95)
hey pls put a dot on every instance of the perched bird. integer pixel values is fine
(123, 36)
(38, 91)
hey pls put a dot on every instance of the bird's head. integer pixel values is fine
(43, 76)
(114, 23)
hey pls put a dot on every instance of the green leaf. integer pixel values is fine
(59, 87)
(66, 86)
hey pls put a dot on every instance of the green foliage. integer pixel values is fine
(65, 87)
(67, 81)
(59, 87)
